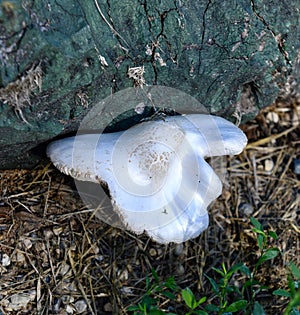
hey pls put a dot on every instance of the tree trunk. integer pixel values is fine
(58, 58)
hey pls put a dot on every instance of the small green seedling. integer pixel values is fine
(229, 298)
(191, 302)
(293, 294)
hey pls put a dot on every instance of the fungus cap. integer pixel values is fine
(158, 179)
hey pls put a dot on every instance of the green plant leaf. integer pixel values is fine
(171, 283)
(258, 309)
(218, 271)
(213, 284)
(234, 269)
(291, 285)
(147, 283)
(245, 270)
(282, 292)
(260, 241)
(155, 276)
(212, 308)
(296, 299)
(133, 308)
(295, 270)
(201, 301)
(256, 224)
(200, 312)
(148, 301)
(236, 306)
(293, 304)
(189, 298)
(259, 232)
(247, 284)
(156, 312)
(270, 253)
(169, 295)
(273, 235)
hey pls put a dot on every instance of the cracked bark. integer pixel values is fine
(231, 56)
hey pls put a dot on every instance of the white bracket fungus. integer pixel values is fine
(158, 180)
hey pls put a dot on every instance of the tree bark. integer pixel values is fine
(58, 58)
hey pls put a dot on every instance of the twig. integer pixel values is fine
(272, 137)
(109, 25)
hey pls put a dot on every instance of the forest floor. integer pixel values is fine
(56, 257)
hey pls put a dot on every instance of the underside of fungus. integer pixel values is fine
(156, 174)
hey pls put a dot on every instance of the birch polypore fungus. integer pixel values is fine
(158, 180)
